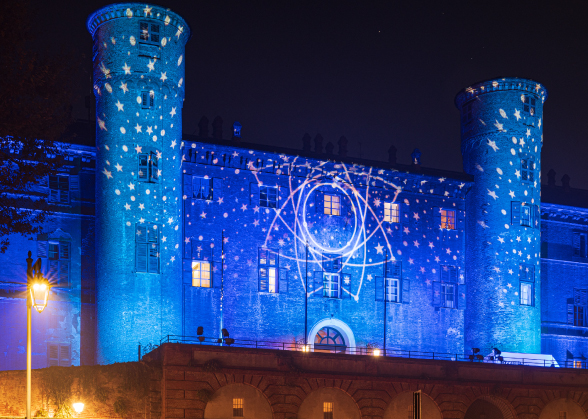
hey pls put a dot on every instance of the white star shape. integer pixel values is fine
(517, 173)
(406, 230)
(437, 259)
(512, 194)
(151, 66)
(138, 148)
(173, 112)
(510, 271)
(255, 223)
(127, 70)
(127, 207)
(124, 87)
(101, 124)
(497, 269)
(441, 179)
(163, 239)
(118, 167)
(173, 144)
(187, 240)
(509, 285)
(172, 258)
(498, 125)
(138, 128)
(149, 130)
(528, 132)
(220, 200)
(416, 243)
(517, 114)
(203, 215)
(411, 261)
(131, 186)
(380, 249)
(163, 76)
(492, 194)
(377, 202)
(170, 220)
(147, 10)
(416, 216)
(493, 144)
(107, 173)
(501, 240)
(244, 207)
(141, 206)
(461, 185)
(141, 220)
(518, 239)
(448, 251)
(522, 142)
(119, 105)
(235, 154)
(256, 209)
(431, 245)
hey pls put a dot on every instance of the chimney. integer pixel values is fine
(551, 178)
(342, 147)
(318, 144)
(392, 155)
(203, 127)
(217, 128)
(416, 157)
(306, 143)
(565, 183)
(329, 148)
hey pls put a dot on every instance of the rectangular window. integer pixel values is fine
(149, 32)
(268, 271)
(527, 170)
(579, 315)
(391, 212)
(448, 295)
(237, 408)
(147, 247)
(529, 104)
(331, 285)
(526, 218)
(59, 189)
(147, 99)
(200, 274)
(526, 293)
(579, 308)
(392, 290)
(467, 112)
(331, 263)
(579, 244)
(59, 262)
(392, 280)
(268, 196)
(527, 284)
(58, 355)
(447, 219)
(332, 204)
(201, 188)
(328, 410)
(148, 170)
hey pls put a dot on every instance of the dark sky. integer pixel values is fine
(378, 72)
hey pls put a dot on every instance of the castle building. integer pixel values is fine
(157, 234)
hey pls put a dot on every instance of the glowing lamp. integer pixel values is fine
(39, 295)
(306, 348)
(78, 407)
(376, 352)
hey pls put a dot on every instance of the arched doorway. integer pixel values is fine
(328, 402)
(329, 339)
(249, 402)
(489, 407)
(401, 407)
(554, 408)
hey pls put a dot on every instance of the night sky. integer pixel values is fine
(379, 73)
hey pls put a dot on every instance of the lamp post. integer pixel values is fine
(37, 295)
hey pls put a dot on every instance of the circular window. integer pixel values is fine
(329, 339)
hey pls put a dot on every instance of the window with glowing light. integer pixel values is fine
(529, 105)
(147, 248)
(332, 204)
(268, 271)
(391, 212)
(327, 410)
(147, 99)
(148, 170)
(527, 170)
(149, 32)
(526, 284)
(201, 188)
(201, 274)
(59, 189)
(329, 339)
(268, 196)
(331, 285)
(447, 219)
(237, 408)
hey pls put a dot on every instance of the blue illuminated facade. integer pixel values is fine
(157, 233)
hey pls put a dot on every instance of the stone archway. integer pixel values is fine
(490, 407)
(317, 402)
(401, 405)
(554, 407)
(253, 402)
(340, 326)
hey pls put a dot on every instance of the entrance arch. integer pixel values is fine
(346, 335)
(253, 404)
(554, 407)
(490, 406)
(328, 399)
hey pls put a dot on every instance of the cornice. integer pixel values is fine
(500, 84)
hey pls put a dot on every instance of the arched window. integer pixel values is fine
(329, 339)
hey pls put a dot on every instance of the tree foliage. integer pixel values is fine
(35, 111)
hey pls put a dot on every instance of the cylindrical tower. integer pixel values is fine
(501, 138)
(138, 60)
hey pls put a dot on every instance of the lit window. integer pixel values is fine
(201, 188)
(148, 168)
(327, 410)
(59, 261)
(526, 292)
(467, 112)
(527, 170)
(448, 295)
(448, 219)
(200, 274)
(59, 189)
(149, 32)
(268, 271)
(392, 290)
(529, 105)
(147, 248)
(391, 212)
(237, 408)
(268, 196)
(332, 204)
(147, 99)
(330, 285)
(527, 280)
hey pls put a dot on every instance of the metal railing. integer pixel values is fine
(374, 351)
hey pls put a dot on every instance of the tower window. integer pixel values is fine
(527, 170)
(237, 408)
(201, 188)
(332, 204)
(392, 290)
(525, 215)
(149, 32)
(447, 219)
(529, 104)
(328, 410)
(147, 248)
(59, 189)
(148, 168)
(331, 285)
(391, 212)
(526, 284)
(268, 271)
(579, 244)
(200, 274)
(268, 196)
(467, 112)
(445, 291)
(147, 99)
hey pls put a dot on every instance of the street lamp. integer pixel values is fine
(37, 296)
(78, 407)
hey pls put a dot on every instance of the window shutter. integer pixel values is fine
(42, 249)
(583, 297)
(345, 286)
(188, 186)
(317, 284)
(153, 168)
(187, 271)
(143, 173)
(53, 195)
(263, 273)
(515, 213)
(319, 202)
(461, 297)
(537, 217)
(405, 291)
(217, 188)
(570, 311)
(64, 356)
(436, 218)
(217, 276)
(63, 250)
(436, 294)
(453, 274)
(254, 194)
(63, 273)
(283, 281)
(576, 243)
(153, 258)
(141, 257)
(53, 352)
(460, 220)
(74, 183)
(53, 269)
(445, 277)
(380, 288)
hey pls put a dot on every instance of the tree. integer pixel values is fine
(35, 111)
